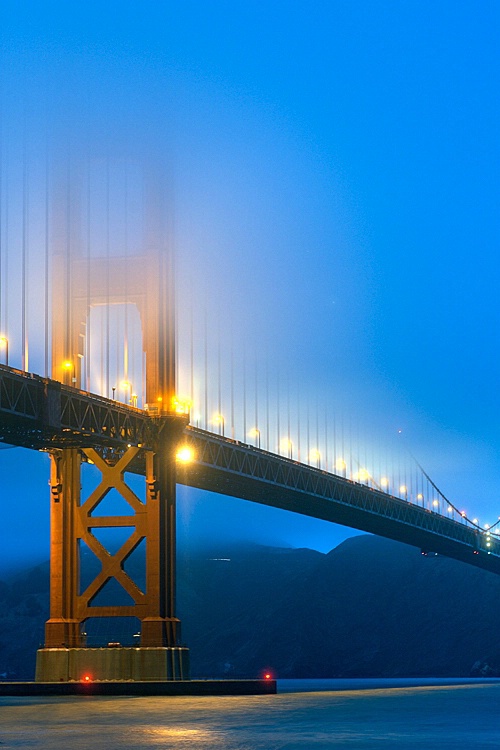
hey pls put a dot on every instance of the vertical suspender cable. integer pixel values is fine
(67, 299)
(257, 427)
(6, 256)
(267, 399)
(278, 426)
(289, 438)
(24, 243)
(219, 385)
(232, 383)
(87, 269)
(298, 423)
(205, 367)
(126, 337)
(107, 337)
(244, 392)
(308, 442)
(326, 439)
(318, 453)
(46, 267)
(191, 355)
(2, 280)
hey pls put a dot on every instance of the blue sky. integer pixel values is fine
(335, 177)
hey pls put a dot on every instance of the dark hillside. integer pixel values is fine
(371, 607)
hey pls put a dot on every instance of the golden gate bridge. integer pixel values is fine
(94, 372)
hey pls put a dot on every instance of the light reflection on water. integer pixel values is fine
(444, 716)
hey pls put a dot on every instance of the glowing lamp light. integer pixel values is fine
(181, 405)
(420, 496)
(463, 514)
(384, 482)
(67, 365)
(363, 475)
(87, 678)
(435, 503)
(267, 676)
(255, 433)
(450, 509)
(403, 489)
(185, 455)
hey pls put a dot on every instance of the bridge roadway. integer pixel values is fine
(40, 413)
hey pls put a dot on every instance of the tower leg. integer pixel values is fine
(160, 656)
(63, 627)
(161, 627)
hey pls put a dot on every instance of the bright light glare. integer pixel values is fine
(402, 488)
(384, 482)
(185, 455)
(181, 405)
(67, 365)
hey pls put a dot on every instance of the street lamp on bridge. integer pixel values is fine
(287, 445)
(255, 433)
(219, 419)
(69, 367)
(340, 465)
(4, 344)
(127, 387)
(315, 455)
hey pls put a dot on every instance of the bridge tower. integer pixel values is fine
(81, 282)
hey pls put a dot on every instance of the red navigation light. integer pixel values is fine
(267, 675)
(87, 678)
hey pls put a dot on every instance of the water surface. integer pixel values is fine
(303, 715)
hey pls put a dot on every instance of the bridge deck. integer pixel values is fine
(41, 413)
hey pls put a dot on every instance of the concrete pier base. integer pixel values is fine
(117, 688)
(142, 664)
